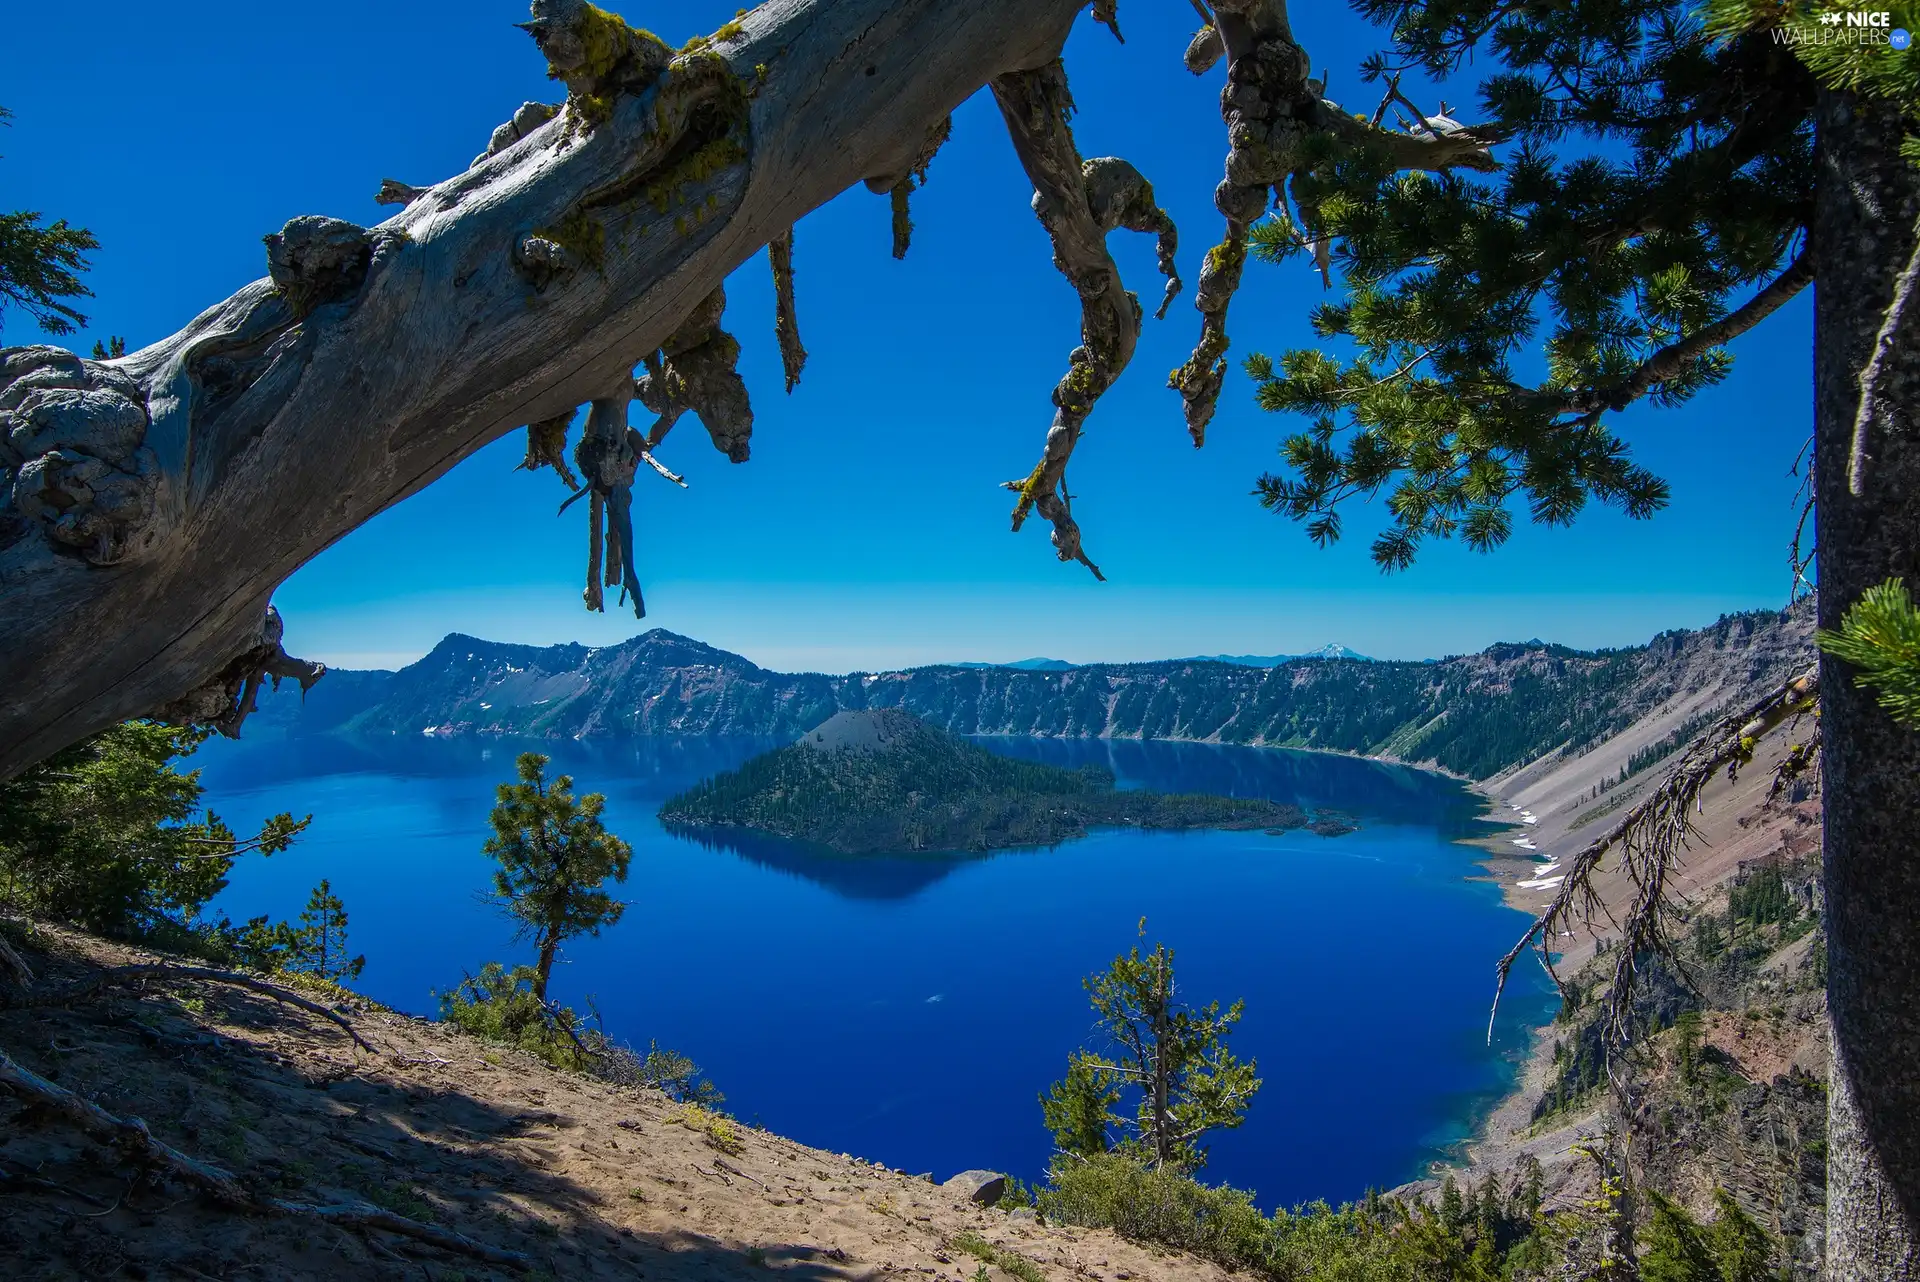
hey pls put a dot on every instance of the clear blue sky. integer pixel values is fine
(869, 530)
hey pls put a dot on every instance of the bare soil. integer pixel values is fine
(593, 1181)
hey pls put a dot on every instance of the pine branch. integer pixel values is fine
(1671, 360)
(1880, 636)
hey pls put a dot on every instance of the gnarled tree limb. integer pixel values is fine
(1078, 203)
(154, 502)
(122, 976)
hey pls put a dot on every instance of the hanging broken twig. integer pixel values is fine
(1651, 839)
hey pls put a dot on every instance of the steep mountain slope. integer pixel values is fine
(594, 1182)
(1476, 715)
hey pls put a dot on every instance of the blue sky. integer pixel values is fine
(869, 530)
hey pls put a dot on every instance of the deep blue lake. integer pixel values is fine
(911, 1010)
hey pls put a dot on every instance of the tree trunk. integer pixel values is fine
(149, 506)
(1863, 235)
(549, 945)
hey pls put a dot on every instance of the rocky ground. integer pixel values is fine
(587, 1179)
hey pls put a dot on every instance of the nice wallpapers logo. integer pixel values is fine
(1863, 27)
(1848, 26)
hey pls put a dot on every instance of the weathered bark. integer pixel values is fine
(156, 501)
(1863, 232)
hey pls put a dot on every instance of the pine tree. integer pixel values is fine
(1671, 173)
(1673, 1249)
(321, 938)
(1687, 1039)
(1173, 1056)
(1741, 1247)
(554, 855)
(108, 834)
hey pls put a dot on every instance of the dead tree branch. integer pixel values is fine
(123, 976)
(786, 323)
(1651, 839)
(1078, 203)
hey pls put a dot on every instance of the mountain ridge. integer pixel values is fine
(1474, 715)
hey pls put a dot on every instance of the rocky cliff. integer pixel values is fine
(1476, 715)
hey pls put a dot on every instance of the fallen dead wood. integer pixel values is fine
(131, 1136)
(121, 976)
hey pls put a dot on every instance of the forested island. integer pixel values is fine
(879, 781)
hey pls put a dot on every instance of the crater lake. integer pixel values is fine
(911, 1010)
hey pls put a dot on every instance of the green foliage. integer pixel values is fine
(1677, 1248)
(40, 266)
(1078, 1108)
(1740, 1246)
(678, 1077)
(1008, 1262)
(1880, 636)
(1488, 1235)
(1656, 173)
(934, 791)
(715, 1127)
(554, 855)
(1120, 1192)
(104, 834)
(506, 1006)
(1170, 1058)
(1761, 899)
(1687, 1039)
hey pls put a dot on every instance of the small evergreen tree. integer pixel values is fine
(1687, 1041)
(1741, 1247)
(1175, 1057)
(321, 938)
(1674, 1249)
(555, 855)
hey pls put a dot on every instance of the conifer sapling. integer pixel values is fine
(555, 855)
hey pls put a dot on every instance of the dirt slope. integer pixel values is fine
(593, 1181)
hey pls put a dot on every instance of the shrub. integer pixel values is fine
(504, 1006)
(1114, 1191)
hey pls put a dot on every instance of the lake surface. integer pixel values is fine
(911, 1010)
